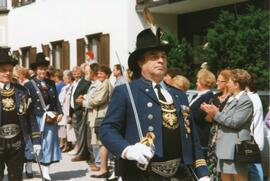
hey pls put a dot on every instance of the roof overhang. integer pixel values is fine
(183, 6)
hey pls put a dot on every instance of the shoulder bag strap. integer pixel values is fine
(39, 95)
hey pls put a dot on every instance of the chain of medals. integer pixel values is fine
(7, 101)
(169, 115)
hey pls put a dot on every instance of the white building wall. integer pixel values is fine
(50, 20)
(3, 30)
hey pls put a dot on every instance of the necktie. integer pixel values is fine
(160, 95)
(5, 87)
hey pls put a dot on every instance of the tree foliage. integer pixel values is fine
(180, 55)
(240, 41)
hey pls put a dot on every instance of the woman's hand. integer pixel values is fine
(59, 118)
(210, 109)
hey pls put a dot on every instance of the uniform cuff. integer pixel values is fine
(201, 168)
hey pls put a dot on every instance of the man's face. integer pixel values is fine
(76, 74)
(101, 76)
(6, 73)
(154, 63)
(41, 72)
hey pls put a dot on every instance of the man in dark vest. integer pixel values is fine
(163, 113)
(14, 119)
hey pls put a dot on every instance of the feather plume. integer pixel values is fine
(204, 65)
(150, 20)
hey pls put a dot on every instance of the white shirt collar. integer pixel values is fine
(2, 85)
(162, 85)
(235, 97)
(203, 92)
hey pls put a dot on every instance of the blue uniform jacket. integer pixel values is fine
(119, 129)
(36, 104)
(203, 127)
(23, 111)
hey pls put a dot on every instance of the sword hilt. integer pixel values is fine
(148, 140)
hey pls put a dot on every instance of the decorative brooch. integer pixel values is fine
(185, 110)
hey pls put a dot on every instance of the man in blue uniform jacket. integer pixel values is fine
(162, 111)
(15, 124)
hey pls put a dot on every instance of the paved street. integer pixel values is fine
(65, 170)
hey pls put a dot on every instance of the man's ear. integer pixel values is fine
(140, 62)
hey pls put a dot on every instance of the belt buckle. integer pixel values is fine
(166, 168)
(9, 131)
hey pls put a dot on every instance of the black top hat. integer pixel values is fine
(146, 40)
(6, 57)
(41, 60)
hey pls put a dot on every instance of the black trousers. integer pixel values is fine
(12, 156)
(150, 176)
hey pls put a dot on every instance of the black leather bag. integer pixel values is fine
(247, 152)
(98, 122)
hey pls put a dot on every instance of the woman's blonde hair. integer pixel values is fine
(181, 82)
(206, 78)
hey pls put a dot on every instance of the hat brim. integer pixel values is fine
(135, 56)
(35, 65)
(12, 62)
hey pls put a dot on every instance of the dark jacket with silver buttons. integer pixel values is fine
(22, 108)
(36, 104)
(119, 129)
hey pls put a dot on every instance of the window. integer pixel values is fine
(18, 3)
(3, 5)
(60, 54)
(28, 56)
(81, 49)
(98, 43)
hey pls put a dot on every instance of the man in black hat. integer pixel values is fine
(162, 111)
(14, 119)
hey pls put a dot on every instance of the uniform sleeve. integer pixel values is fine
(199, 163)
(35, 131)
(58, 105)
(113, 125)
(100, 96)
(242, 113)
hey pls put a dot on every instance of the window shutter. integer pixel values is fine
(32, 55)
(65, 57)
(105, 49)
(46, 50)
(14, 3)
(80, 51)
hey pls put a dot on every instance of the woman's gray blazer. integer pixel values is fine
(235, 120)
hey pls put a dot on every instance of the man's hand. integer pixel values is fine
(37, 149)
(79, 100)
(139, 152)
